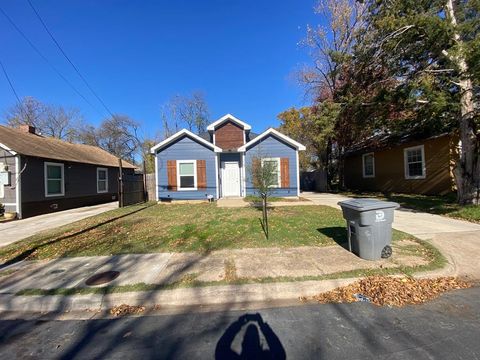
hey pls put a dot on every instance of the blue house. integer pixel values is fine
(215, 164)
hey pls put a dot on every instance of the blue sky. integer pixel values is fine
(137, 54)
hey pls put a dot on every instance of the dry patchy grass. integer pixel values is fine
(181, 228)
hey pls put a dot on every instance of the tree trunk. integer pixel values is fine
(467, 170)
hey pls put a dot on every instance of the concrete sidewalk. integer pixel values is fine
(457, 240)
(212, 271)
(13, 231)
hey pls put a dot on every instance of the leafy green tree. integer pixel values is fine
(314, 127)
(415, 68)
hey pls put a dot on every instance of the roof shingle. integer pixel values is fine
(25, 143)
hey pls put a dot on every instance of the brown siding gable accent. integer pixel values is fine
(229, 136)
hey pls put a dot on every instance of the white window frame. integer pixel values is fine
(195, 188)
(106, 180)
(62, 167)
(365, 176)
(405, 162)
(279, 170)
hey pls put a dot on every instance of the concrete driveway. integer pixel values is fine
(458, 240)
(13, 231)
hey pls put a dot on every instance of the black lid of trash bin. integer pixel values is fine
(367, 204)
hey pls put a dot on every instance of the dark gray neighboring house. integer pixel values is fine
(40, 175)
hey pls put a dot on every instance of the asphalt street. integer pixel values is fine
(447, 328)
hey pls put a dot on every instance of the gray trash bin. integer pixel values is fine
(369, 226)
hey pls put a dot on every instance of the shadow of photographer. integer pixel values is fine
(251, 346)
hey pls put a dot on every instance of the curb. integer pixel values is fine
(183, 297)
(189, 297)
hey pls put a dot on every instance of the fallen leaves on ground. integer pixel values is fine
(124, 309)
(393, 291)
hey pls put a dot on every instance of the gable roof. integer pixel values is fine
(228, 117)
(184, 132)
(19, 142)
(273, 132)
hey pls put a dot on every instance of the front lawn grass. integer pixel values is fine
(440, 205)
(183, 227)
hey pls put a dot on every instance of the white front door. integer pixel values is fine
(230, 178)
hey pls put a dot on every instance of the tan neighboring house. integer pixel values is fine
(403, 165)
(40, 175)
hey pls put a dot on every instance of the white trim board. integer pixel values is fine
(18, 185)
(179, 134)
(274, 132)
(298, 173)
(217, 182)
(228, 117)
(156, 179)
(6, 148)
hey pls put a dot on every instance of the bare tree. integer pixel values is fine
(189, 111)
(331, 43)
(119, 135)
(29, 112)
(62, 123)
(50, 120)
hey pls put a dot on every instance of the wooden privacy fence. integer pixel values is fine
(151, 187)
(132, 190)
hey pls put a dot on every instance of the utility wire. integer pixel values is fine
(46, 59)
(68, 59)
(10, 82)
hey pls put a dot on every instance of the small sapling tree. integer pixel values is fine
(263, 172)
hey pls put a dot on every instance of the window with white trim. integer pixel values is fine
(414, 158)
(187, 174)
(368, 165)
(102, 180)
(54, 179)
(276, 165)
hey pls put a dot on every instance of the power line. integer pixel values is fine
(68, 59)
(10, 82)
(46, 59)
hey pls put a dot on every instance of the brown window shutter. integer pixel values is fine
(172, 174)
(201, 174)
(284, 173)
(256, 164)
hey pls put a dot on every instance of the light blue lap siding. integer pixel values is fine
(185, 149)
(272, 146)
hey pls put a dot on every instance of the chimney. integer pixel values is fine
(27, 128)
